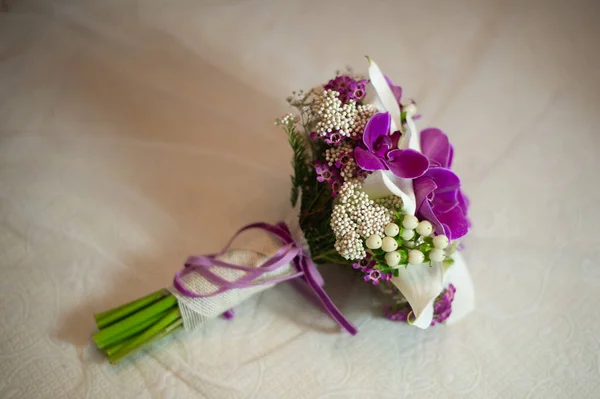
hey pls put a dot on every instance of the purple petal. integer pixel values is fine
(445, 201)
(435, 145)
(397, 90)
(367, 160)
(463, 202)
(445, 179)
(455, 222)
(377, 126)
(450, 157)
(423, 186)
(382, 146)
(395, 137)
(407, 164)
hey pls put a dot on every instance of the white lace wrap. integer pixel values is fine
(195, 311)
(258, 247)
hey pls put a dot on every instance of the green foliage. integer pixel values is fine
(315, 217)
(316, 201)
(300, 161)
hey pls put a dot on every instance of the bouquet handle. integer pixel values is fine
(210, 286)
(206, 278)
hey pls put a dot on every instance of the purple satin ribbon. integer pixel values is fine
(290, 252)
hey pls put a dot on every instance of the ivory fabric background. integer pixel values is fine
(135, 133)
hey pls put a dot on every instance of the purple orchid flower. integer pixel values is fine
(382, 151)
(437, 192)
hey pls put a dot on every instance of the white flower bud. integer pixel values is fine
(389, 244)
(437, 255)
(415, 257)
(392, 258)
(407, 234)
(392, 230)
(425, 228)
(374, 242)
(410, 222)
(440, 241)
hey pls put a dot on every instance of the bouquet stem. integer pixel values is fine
(128, 328)
(110, 316)
(167, 324)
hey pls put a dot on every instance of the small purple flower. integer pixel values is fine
(437, 192)
(443, 306)
(382, 153)
(330, 175)
(343, 159)
(323, 171)
(400, 314)
(336, 186)
(375, 276)
(372, 275)
(366, 262)
(361, 174)
(349, 89)
(333, 138)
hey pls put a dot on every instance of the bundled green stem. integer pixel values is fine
(128, 328)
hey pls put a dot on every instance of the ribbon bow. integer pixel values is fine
(291, 251)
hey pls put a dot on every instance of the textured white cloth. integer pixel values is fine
(135, 133)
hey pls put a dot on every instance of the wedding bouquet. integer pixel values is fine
(371, 192)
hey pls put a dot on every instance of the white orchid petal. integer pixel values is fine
(420, 285)
(403, 188)
(383, 183)
(372, 98)
(464, 298)
(385, 94)
(411, 138)
(425, 318)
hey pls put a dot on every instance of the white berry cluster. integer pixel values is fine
(343, 155)
(333, 115)
(363, 114)
(348, 120)
(286, 120)
(354, 218)
(392, 202)
(412, 233)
